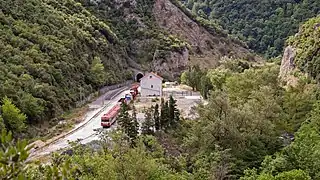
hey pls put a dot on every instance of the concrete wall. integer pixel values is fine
(151, 86)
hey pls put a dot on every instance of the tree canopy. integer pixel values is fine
(50, 52)
(264, 25)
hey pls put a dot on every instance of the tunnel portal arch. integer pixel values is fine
(138, 76)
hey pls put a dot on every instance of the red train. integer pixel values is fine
(110, 117)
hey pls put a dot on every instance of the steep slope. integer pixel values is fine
(160, 35)
(207, 45)
(148, 46)
(55, 52)
(264, 25)
(303, 52)
(51, 54)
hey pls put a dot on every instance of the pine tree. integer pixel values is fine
(129, 124)
(134, 126)
(172, 104)
(124, 118)
(156, 117)
(174, 114)
(148, 124)
(176, 118)
(164, 116)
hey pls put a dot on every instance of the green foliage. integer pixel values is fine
(238, 135)
(149, 123)
(2, 125)
(13, 156)
(47, 55)
(120, 162)
(185, 78)
(302, 154)
(61, 169)
(307, 47)
(247, 112)
(12, 117)
(156, 117)
(192, 77)
(205, 81)
(263, 25)
(206, 86)
(174, 114)
(97, 74)
(136, 28)
(289, 175)
(164, 115)
(128, 123)
(211, 26)
(134, 126)
(297, 103)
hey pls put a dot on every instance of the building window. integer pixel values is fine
(151, 86)
(150, 77)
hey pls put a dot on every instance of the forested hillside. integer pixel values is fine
(263, 25)
(162, 36)
(307, 47)
(299, 160)
(249, 127)
(52, 53)
(248, 118)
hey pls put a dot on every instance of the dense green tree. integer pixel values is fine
(50, 54)
(32, 107)
(297, 103)
(124, 119)
(97, 73)
(217, 77)
(156, 117)
(149, 124)
(185, 78)
(206, 86)
(164, 115)
(263, 25)
(2, 125)
(307, 48)
(13, 155)
(121, 162)
(192, 77)
(301, 154)
(128, 123)
(174, 115)
(294, 175)
(134, 126)
(13, 119)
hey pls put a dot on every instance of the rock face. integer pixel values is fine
(149, 26)
(203, 44)
(288, 66)
(172, 64)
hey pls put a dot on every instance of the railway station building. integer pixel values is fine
(151, 85)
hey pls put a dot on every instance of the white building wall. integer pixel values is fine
(151, 86)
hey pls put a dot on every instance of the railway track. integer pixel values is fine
(38, 151)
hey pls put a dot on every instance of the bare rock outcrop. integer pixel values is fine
(287, 67)
(172, 65)
(203, 44)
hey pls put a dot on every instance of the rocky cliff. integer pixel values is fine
(206, 47)
(303, 52)
(161, 37)
(288, 66)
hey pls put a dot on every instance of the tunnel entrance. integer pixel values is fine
(139, 76)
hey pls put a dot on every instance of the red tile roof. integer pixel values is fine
(154, 74)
